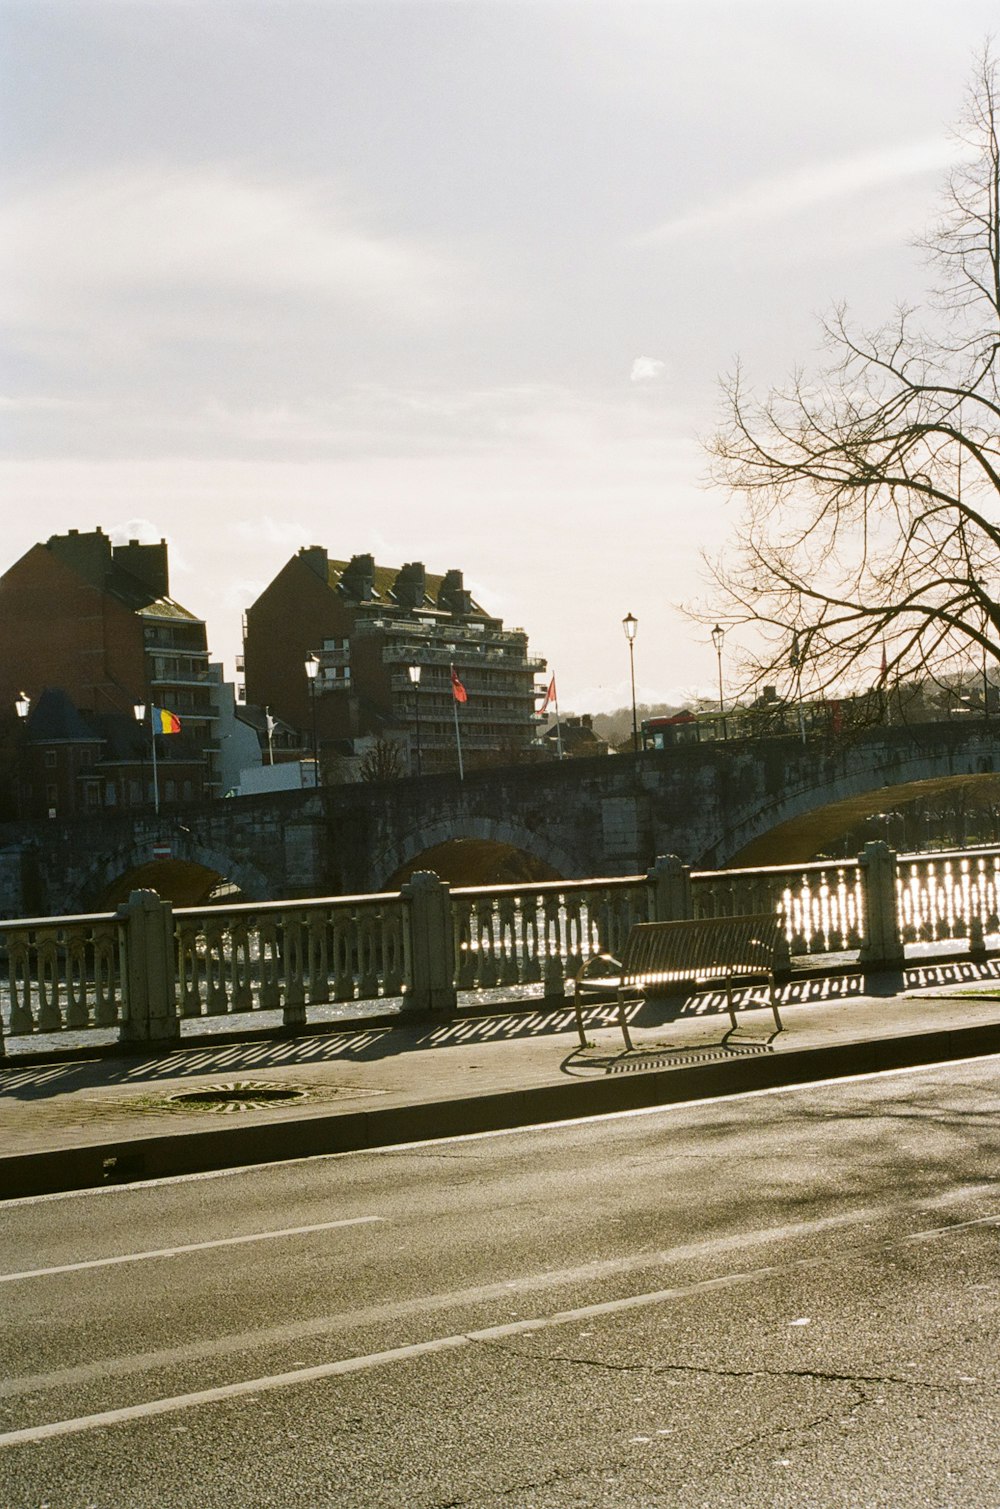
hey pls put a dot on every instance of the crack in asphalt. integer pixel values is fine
(654, 1370)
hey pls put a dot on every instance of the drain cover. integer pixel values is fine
(239, 1095)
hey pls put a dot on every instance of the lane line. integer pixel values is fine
(340, 1368)
(395, 1312)
(169, 1252)
(980, 1060)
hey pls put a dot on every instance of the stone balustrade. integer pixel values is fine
(146, 968)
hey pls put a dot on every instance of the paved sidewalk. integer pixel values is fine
(80, 1121)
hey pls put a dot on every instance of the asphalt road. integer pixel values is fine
(784, 1299)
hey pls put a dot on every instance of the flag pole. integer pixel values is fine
(152, 738)
(458, 734)
(559, 748)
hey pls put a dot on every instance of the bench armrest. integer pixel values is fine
(600, 972)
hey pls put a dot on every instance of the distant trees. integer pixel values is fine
(870, 545)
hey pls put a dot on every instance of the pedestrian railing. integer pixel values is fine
(146, 968)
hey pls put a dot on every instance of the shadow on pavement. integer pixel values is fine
(361, 1044)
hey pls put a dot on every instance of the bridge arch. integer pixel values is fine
(504, 837)
(811, 822)
(187, 877)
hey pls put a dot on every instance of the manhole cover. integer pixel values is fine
(240, 1095)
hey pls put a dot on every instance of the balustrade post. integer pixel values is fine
(671, 897)
(149, 1004)
(431, 944)
(883, 946)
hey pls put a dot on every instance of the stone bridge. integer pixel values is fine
(755, 802)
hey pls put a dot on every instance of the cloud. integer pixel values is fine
(770, 199)
(647, 369)
(153, 244)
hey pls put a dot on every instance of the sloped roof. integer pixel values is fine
(55, 719)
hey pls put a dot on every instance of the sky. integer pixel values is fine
(445, 280)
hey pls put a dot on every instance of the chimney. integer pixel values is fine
(410, 587)
(315, 557)
(358, 580)
(453, 596)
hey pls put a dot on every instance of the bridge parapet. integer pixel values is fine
(140, 971)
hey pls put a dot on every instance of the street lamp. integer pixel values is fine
(139, 708)
(22, 704)
(631, 625)
(414, 673)
(312, 666)
(718, 636)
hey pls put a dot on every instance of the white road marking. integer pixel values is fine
(341, 1367)
(805, 1087)
(169, 1252)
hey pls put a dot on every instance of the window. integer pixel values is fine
(51, 759)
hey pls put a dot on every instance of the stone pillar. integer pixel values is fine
(431, 944)
(883, 946)
(669, 883)
(149, 1000)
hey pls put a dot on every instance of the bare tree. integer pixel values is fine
(383, 761)
(870, 550)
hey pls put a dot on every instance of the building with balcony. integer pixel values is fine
(369, 628)
(96, 623)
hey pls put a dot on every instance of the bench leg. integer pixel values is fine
(623, 1021)
(729, 1003)
(579, 1019)
(774, 1006)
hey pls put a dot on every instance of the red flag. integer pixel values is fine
(550, 695)
(457, 689)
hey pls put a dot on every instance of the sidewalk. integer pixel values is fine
(83, 1121)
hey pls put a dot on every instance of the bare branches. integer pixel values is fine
(871, 491)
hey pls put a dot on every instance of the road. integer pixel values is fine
(787, 1298)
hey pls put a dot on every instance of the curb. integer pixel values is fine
(157, 1157)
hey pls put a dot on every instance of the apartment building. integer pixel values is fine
(382, 643)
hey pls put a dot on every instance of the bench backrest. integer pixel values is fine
(707, 947)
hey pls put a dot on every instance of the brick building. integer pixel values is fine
(367, 625)
(96, 624)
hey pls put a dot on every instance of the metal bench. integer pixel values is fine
(658, 957)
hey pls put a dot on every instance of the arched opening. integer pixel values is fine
(180, 881)
(476, 861)
(941, 813)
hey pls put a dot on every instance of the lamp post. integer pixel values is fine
(139, 708)
(718, 636)
(312, 666)
(631, 625)
(22, 705)
(414, 673)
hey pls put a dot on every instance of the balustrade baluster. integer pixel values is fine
(240, 969)
(485, 928)
(368, 955)
(507, 921)
(49, 984)
(269, 961)
(216, 995)
(188, 970)
(77, 1005)
(106, 975)
(21, 984)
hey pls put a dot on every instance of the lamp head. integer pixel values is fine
(631, 625)
(414, 673)
(22, 703)
(718, 635)
(312, 666)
